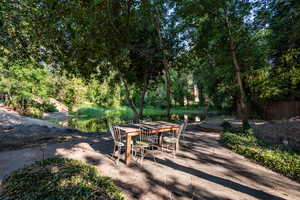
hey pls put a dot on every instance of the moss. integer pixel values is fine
(60, 178)
(284, 162)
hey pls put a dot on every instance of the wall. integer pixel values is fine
(283, 133)
(281, 110)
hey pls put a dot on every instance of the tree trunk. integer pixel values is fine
(168, 89)
(196, 93)
(201, 96)
(142, 98)
(243, 100)
(129, 100)
(166, 66)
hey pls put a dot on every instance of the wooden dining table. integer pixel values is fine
(158, 127)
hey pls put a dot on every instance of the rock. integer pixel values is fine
(35, 134)
(17, 131)
(59, 106)
(285, 134)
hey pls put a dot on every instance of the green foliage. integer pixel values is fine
(50, 107)
(284, 21)
(70, 90)
(104, 112)
(59, 178)
(284, 162)
(97, 112)
(246, 128)
(226, 126)
(156, 97)
(280, 83)
(96, 48)
(26, 84)
(104, 93)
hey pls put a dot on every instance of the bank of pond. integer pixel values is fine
(96, 119)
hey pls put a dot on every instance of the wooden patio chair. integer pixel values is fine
(146, 144)
(170, 142)
(118, 142)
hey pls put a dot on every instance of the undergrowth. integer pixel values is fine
(59, 178)
(247, 144)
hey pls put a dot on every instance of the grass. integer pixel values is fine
(104, 112)
(91, 118)
(59, 178)
(126, 112)
(284, 162)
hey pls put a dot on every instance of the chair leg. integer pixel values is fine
(114, 150)
(119, 154)
(134, 154)
(154, 158)
(174, 151)
(142, 155)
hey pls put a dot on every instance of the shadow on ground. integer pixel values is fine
(203, 169)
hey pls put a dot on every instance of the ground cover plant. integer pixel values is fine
(59, 178)
(247, 144)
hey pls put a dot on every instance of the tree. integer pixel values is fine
(26, 84)
(94, 38)
(219, 30)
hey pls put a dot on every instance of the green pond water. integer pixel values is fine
(100, 124)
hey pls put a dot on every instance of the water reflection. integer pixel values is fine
(186, 117)
(100, 125)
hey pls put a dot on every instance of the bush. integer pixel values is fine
(284, 162)
(50, 108)
(60, 178)
(35, 112)
(226, 126)
(26, 84)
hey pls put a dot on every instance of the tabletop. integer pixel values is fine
(155, 126)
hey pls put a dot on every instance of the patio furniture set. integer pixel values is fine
(145, 138)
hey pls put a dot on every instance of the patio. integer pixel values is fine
(202, 169)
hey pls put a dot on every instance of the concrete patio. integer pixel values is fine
(203, 169)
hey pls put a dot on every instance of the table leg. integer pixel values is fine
(177, 143)
(160, 137)
(128, 150)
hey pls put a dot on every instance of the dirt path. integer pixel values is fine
(17, 132)
(9, 118)
(203, 169)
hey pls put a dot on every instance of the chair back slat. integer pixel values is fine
(116, 133)
(148, 136)
(112, 131)
(181, 129)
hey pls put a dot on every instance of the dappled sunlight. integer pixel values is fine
(201, 164)
(177, 100)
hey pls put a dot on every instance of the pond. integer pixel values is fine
(100, 124)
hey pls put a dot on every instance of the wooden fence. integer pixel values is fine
(281, 110)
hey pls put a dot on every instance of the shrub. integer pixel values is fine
(50, 107)
(284, 162)
(35, 112)
(60, 178)
(26, 84)
(226, 126)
